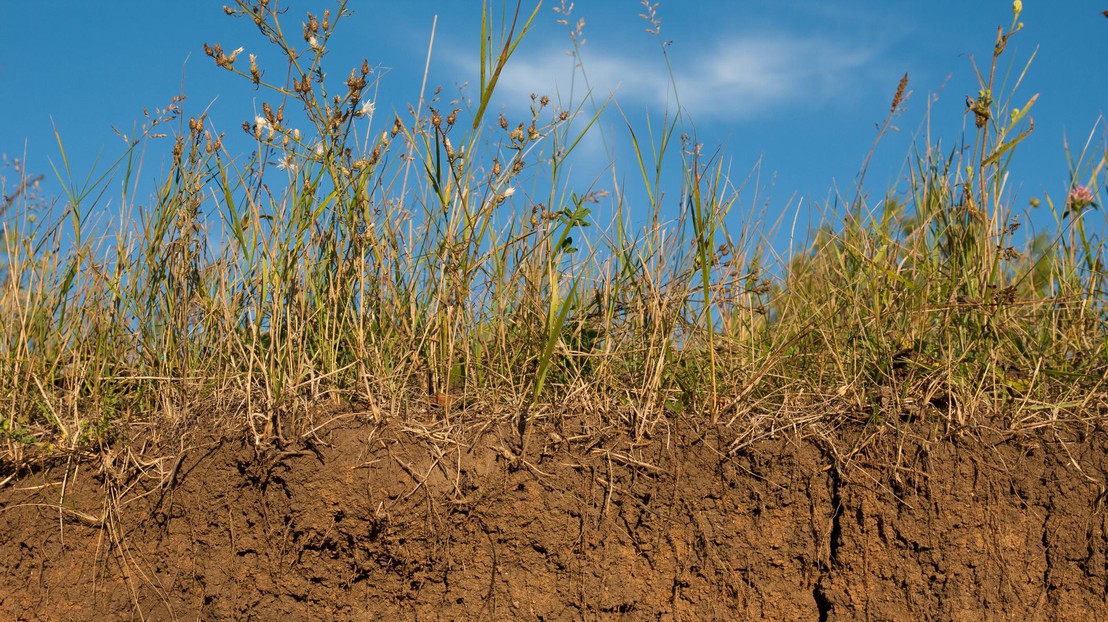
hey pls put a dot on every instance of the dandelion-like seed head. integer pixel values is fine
(366, 109)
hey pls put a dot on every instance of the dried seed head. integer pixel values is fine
(436, 118)
(495, 167)
(544, 100)
(898, 98)
(355, 83)
(255, 74)
(304, 86)
(228, 10)
(517, 134)
(452, 117)
(327, 19)
(365, 67)
(563, 115)
(532, 133)
(503, 122)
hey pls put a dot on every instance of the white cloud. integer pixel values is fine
(737, 77)
(745, 77)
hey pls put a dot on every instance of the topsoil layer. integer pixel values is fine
(377, 522)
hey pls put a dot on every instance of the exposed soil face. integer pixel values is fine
(371, 522)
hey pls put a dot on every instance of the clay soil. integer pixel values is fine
(368, 521)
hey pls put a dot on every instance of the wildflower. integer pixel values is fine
(312, 41)
(318, 149)
(1017, 7)
(261, 121)
(1079, 198)
(366, 109)
(509, 191)
(287, 164)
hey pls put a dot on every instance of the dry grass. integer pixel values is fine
(444, 270)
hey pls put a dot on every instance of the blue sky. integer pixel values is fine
(798, 85)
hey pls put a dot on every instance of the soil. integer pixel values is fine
(370, 521)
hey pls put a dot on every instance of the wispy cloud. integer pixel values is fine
(745, 77)
(737, 77)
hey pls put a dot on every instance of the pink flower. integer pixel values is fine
(1079, 198)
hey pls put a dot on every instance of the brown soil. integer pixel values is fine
(369, 522)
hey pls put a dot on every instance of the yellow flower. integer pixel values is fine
(1017, 7)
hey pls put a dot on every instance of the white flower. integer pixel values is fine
(319, 149)
(366, 108)
(509, 191)
(287, 164)
(312, 41)
(261, 121)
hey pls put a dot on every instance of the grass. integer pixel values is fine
(444, 270)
